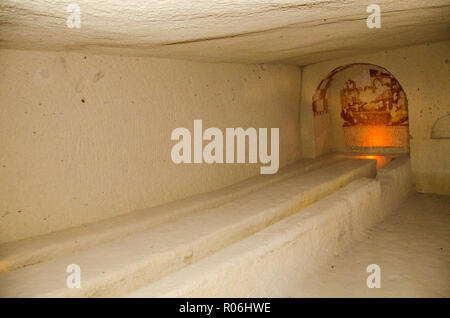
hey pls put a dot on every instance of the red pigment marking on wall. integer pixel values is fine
(320, 98)
(383, 102)
(375, 112)
(375, 115)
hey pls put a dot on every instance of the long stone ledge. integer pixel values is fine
(120, 266)
(41, 248)
(267, 263)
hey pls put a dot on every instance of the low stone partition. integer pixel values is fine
(396, 182)
(38, 249)
(268, 262)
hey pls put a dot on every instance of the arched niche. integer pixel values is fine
(361, 107)
(441, 128)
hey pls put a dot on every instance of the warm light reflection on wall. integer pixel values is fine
(374, 109)
(376, 136)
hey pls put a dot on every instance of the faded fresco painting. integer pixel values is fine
(373, 107)
(320, 99)
(380, 103)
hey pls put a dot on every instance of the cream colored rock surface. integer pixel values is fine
(86, 116)
(441, 128)
(87, 137)
(111, 269)
(410, 246)
(267, 263)
(44, 247)
(288, 31)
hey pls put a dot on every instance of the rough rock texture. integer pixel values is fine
(267, 263)
(87, 137)
(441, 128)
(41, 248)
(410, 246)
(296, 32)
(122, 265)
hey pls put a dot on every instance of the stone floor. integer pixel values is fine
(411, 246)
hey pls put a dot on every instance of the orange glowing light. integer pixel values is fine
(376, 136)
(381, 160)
